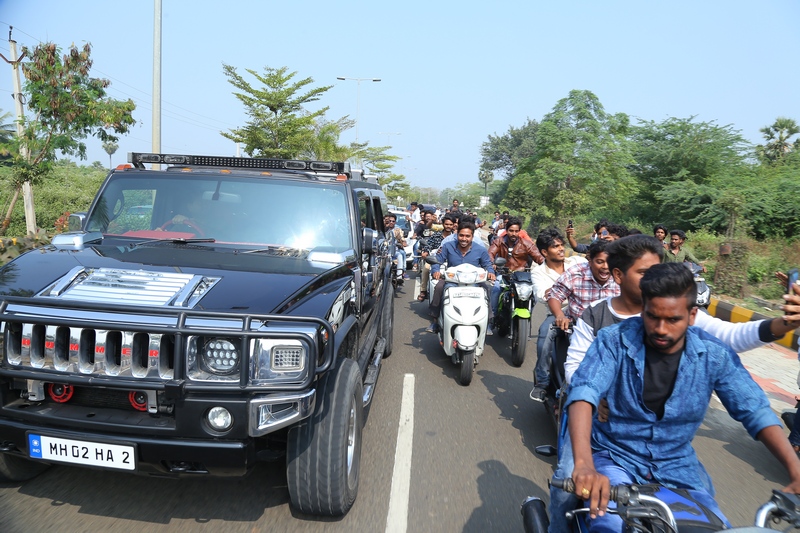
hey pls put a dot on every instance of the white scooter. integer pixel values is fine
(464, 316)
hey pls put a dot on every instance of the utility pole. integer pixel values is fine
(157, 81)
(27, 190)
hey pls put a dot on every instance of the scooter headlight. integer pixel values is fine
(467, 277)
(524, 291)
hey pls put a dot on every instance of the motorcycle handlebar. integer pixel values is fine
(567, 331)
(619, 493)
(782, 507)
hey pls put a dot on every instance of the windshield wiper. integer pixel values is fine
(173, 240)
(279, 250)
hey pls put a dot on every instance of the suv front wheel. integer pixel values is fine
(324, 451)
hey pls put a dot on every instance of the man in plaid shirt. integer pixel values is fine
(581, 285)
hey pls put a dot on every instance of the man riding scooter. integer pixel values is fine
(456, 253)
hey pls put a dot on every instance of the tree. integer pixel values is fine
(280, 126)
(579, 166)
(395, 185)
(67, 106)
(683, 166)
(110, 147)
(485, 176)
(324, 145)
(778, 144)
(375, 159)
(505, 152)
(771, 208)
(7, 132)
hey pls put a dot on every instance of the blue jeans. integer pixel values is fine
(544, 352)
(494, 297)
(400, 255)
(416, 254)
(609, 523)
(794, 435)
(562, 501)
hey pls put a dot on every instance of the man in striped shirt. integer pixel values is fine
(581, 285)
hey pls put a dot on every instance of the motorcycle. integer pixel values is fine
(514, 309)
(555, 393)
(703, 290)
(464, 315)
(657, 509)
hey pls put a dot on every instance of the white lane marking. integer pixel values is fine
(397, 517)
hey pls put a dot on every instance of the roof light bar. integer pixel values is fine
(139, 159)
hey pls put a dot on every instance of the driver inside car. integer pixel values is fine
(187, 216)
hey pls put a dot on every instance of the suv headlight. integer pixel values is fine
(278, 361)
(214, 358)
(220, 356)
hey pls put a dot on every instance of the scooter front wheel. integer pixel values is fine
(467, 366)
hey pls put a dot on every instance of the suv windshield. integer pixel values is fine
(242, 211)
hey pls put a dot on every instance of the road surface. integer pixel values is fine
(464, 461)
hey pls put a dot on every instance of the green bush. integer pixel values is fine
(704, 244)
(760, 268)
(634, 222)
(14, 246)
(68, 189)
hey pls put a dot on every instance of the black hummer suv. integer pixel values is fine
(201, 318)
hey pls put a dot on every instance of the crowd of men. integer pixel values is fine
(643, 361)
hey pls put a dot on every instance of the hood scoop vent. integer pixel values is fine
(131, 287)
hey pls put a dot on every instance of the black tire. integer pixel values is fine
(13, 468)
(387, 325)
(467, 366)
(519, 340)
(324, 451)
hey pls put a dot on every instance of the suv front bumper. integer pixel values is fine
(161, 448)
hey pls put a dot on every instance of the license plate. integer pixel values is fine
(470, 293)
(82, 452)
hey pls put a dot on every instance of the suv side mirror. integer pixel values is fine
(75, 221)
(369, 240)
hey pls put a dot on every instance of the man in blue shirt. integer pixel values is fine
(657, 374)
(456, 253)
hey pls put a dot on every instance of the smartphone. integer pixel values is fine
(791, 279)
(569, 223)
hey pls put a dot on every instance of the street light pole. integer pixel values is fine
(358, 95)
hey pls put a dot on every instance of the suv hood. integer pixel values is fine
(208, 278)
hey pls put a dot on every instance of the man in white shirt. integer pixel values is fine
(416, 217)
(551, 245)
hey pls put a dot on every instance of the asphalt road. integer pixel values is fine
(468, 466)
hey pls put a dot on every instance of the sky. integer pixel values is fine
(452, 72)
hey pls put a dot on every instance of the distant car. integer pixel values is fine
(404, 223)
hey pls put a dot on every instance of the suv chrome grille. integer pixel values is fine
(90, 351)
